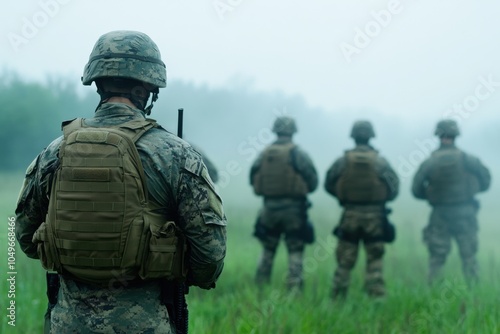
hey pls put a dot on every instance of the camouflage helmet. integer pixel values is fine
(362, 130)
(284, 125)
(447, 128)
(126, 54)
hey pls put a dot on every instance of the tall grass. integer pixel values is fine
(238, 306)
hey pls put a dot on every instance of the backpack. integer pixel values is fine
(449, 180)
(276, 176)
(359, 183)
(100, 226)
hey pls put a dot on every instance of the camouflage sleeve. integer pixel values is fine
(203, 220)
(332, 176)
(255, 167)
(390, 178)
(33, 198)
(304, 165)
(419, 184)
(28, 216)
(480, 171)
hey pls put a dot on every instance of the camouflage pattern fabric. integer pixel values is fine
(361, 223)
(282, 221)
(178, 184)
(384, 170)
(284, 125)
(126, 54)
(285, 217)
(457, 221)
(83, 308)
(447, 223)
(362, 129)
(472, 164)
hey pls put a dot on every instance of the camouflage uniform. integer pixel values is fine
(361, 222)
(285, 216)
(179, 185)
(454, 219)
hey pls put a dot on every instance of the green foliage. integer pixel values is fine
(31, 116)
(238, 306)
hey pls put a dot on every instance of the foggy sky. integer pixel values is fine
(414, 62)
(411, 59)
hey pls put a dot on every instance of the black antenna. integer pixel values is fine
(180, 116)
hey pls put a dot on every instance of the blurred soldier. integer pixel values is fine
(449, 179)
(212, 170)
(283, 174)
(362, 181)
(108, 204)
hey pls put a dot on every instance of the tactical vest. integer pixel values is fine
(359, 183)
(276, 176)
(449, 180)
(100, 226)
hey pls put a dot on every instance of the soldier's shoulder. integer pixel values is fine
(472, 161)
(297, 148)
(160, 142)
(50, 154)
(160, 139)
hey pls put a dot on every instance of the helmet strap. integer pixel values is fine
(154, 97)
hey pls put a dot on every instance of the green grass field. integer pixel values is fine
(237, 306)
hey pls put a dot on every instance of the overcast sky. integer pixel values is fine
(408, 58)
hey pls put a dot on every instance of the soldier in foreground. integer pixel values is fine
(283, 174)
(362, 181)
(114, 204)
(448, 180)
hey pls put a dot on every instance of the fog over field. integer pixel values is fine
(236, 65)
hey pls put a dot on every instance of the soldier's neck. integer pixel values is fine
(120, 99)
(447, 142)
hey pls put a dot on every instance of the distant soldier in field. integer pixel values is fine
(362, 181)
(122, 211)
(212, 169)
(283, 174)
(449, 179)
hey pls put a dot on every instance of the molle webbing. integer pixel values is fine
(99, 212)
(277, 176)
(449, 180)
(359, 182)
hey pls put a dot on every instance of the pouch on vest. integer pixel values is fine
(449, 180)
(98, 225)
(276, 176)
(166, 255)
(359, 183)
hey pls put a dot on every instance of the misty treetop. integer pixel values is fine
(231, 124)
